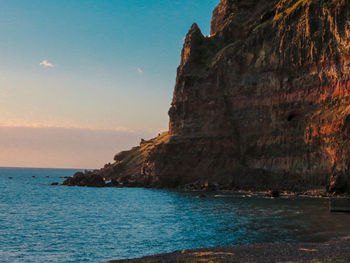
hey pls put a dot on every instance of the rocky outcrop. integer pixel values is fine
(85, 179)
(262, 103)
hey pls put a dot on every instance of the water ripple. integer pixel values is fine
(40, 223)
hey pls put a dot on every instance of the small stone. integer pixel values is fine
(273, 193)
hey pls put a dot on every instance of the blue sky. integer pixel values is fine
(93, 64)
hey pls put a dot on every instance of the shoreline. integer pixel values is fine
(314, 193)
(318, 193)
(335, 250)
(97, 179)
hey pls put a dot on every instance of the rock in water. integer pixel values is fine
(262, 103)
(85, 179)
(273, 193)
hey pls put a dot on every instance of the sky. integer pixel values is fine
(81, 80)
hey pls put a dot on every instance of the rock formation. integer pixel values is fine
(262, 103)
(85, 179)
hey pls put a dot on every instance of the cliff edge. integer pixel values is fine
(262, 103)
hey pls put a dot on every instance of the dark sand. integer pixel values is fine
(337, 251)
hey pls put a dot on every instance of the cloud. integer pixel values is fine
(140, 71)
(63, 147)
(46, 64)
(74, 127)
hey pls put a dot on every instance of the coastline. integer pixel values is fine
(319, 193)
(204, 192)
(337, 250)
(97, 178)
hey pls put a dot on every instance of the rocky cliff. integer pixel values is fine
(261, 103)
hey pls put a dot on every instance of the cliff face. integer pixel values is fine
(263, 102)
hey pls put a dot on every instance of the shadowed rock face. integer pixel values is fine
(261, 103)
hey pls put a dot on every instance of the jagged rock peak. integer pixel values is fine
(193, 40)
(194, 28)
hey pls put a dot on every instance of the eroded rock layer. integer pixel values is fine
(261, 103)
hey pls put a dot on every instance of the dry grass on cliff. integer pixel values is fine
(137, 155)
(286, 11)
(147, 146)
(291, 9)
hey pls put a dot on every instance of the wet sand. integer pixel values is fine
(333, 251)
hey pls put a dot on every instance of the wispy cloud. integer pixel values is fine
(140, 71)
(46, 64)
(63, 147)
(72, 127)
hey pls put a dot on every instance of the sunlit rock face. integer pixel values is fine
(261, 103)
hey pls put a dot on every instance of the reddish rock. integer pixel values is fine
(262, 103)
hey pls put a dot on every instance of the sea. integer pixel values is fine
(44, 223)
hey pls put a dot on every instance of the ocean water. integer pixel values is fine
(43, 223)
